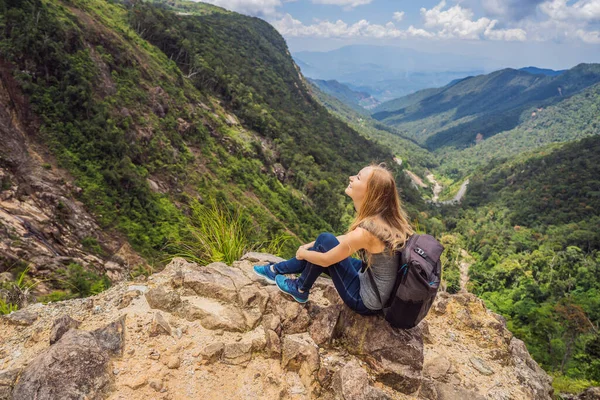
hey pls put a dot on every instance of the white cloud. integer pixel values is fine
(458, 23)
(344, 3)
(591, 37)
(398, 16)
(583, 10)
(288, 26)
(251, 7)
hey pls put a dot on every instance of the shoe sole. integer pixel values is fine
(301, 301)
(269, 280)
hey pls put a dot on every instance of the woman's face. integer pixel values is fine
(357, 188)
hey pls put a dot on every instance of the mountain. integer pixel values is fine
(388, 72)
(125, 123)
(573, 118)
(359, 101)
(482, 105)
(542, 71)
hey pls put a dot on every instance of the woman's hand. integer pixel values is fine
(301, 252)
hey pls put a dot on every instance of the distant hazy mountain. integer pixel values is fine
(388, 72)
(542, 71)
(481, 106)
(358, 101)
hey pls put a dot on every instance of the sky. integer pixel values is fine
(515, 33)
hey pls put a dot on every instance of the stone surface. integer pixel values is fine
(7, 381)
(323, 323)
(237, 353)
(529, 373)
(62, 325)
(449, 392)
(160, 298)
(437, 367)
(22, 317)
(76, 367)
(214, 315)
(159, 326)
(261, 258)
(261, 344)
(592, 393)
(396, 356)
(212, 352)
(209, 283)
(481, 366)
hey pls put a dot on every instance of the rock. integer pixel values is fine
(111, 338)
(76, 367)
(237, 353)
(127, 298)
(437, 367)
(294, 317)
(213, 315)
(159, 326)
(212, 352)
(21, 317)
(273, 345)
(139, 288)
(208, 282)
(7, 381)
(481, 366)
(592, 393)
(272, 322)
(136, 381)
(174, 362)
(322, 328)
(156, 384)
(351, 383)
(300, 353)
(261, 258)
(62, 325)
(396, 356)
(449, 392)
(160, 299)
(529, 373)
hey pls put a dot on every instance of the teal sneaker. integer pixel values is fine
(290, 286)
(264, 271)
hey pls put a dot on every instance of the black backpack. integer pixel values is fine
(417, 282)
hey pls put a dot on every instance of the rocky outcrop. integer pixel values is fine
(218, 331)
(44, 223)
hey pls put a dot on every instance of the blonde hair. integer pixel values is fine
(382, 200)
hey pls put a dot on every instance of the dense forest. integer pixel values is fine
(532, 226)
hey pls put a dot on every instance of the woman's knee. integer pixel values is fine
(327, 240)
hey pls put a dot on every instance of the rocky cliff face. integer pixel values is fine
(42, 223)
(219, 331)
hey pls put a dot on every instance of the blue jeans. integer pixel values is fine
(344, 274)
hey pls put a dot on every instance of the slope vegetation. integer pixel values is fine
(483, 105)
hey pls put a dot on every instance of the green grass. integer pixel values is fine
(220, 235)
(564, 384)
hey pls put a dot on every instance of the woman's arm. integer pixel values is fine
(349, 244)
(311, 244)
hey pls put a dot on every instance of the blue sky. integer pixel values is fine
(545, 33)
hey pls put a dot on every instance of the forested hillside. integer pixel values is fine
(482, 106)
(532, 225)
(358, 101)
(158, 116)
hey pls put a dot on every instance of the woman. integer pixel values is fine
(380, 228)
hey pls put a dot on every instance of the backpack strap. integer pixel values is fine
(372, 279)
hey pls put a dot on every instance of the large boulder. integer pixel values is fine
(76, 367)
(395, 355)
